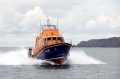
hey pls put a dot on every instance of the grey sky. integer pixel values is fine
(78, 19)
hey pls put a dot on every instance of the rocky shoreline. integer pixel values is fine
(109, 42)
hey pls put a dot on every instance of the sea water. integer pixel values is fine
(83, 63)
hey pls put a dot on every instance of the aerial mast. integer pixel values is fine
(40, 26)
(47, 21)
(57, 23)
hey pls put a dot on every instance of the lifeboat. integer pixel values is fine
(50, 45)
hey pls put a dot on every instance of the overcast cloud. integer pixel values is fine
(79, 20)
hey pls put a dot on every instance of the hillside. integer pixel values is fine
(110, 42)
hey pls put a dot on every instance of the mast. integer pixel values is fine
(40, 26)
(47, 21)
(57, 23)
(48, 25)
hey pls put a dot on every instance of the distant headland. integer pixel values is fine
(109, 42)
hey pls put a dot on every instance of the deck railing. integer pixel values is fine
(68, 41)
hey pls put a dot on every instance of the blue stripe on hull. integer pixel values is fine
(54, 52)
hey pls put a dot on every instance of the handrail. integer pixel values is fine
(68, 41)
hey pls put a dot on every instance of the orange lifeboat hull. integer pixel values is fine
(55, 53)
(57, 61)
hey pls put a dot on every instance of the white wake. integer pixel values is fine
(82, 58)
(19, 57)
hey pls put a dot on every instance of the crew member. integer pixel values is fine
(30, 52)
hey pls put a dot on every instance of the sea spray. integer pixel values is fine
(81, 58)
(18, 57)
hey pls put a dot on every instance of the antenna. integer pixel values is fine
(40, 26)
(47, 20)
(57, 23)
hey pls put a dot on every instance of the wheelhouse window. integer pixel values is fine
(49, 38)
(45, 39)
(61, 39)
(54, 38)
